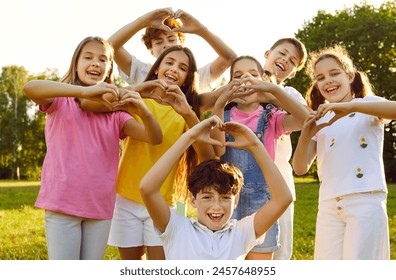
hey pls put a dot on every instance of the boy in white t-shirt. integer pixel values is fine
(214, 190)
(165, 28)
(285, 57)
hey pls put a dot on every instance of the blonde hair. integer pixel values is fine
(71, 76)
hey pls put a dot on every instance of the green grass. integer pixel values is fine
(23, 236)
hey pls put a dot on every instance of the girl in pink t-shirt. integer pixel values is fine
(80, 168)
(268, 122)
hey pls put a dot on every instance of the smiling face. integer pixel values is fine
(214, 210)
(282, 61)
(332, 81)
(93, 64)
(174, 68)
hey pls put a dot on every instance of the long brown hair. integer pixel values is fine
(71, 76)
(189, 159)
(360, 87)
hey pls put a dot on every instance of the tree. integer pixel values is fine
(13, 119)
(369, 34)
(22, 144)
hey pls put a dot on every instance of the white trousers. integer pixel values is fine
(285, 234)
(75, 238)
(353, 227)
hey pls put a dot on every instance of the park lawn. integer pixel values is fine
(23, 236)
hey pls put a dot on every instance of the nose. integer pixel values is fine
(95, 62)
(216, 204)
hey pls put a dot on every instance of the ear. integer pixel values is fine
(192, 201)
(351, 77)
(266, 54)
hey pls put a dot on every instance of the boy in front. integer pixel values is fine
(214, 190)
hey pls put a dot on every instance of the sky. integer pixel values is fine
(43, 34)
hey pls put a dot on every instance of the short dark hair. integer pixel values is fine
(223, 176)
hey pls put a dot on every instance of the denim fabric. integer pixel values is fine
(255, 192)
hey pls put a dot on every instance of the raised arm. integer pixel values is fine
(152, 19)
(230, 93)
(152, 181)
(43, 92)
(298, 111)
(174, 97)
(281, 196)
(226, 54)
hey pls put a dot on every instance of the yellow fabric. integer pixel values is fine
(138, 157)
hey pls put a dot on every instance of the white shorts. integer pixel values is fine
(131, 225)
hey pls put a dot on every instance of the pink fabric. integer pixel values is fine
(80, 167)
(273, 131)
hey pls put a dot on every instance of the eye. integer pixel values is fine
(293, 62)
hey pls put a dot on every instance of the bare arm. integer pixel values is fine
(298, 112)
(280, 193)
(152, 181)
(174, 97)
(305, 152)
(226, 54)
(153, 19)
(43, 92)
(380, 109)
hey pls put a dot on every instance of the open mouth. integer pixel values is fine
(171, 78)
(280, 66)
(332, 89)
(215, 217)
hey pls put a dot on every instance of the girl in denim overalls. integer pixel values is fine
(269, 123)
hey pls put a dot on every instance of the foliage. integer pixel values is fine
(369, 34)
(22, 144)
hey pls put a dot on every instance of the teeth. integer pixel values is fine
(93, 73)
(280, 66)
(215, 215)
(331, 89)
(171, 77)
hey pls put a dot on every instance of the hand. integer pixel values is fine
(190, 24)
(201, 131)
(340, 110)
(154, 89)
(310, 127)
(231, 93)
(244, 138)
(176, 98)
(103, 92)
(131, 102)
(155, 19)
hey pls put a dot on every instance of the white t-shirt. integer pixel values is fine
(349, 154)
(139, 71)
(187, 239)
(284, 149)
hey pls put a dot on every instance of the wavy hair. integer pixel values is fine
(360, 87)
